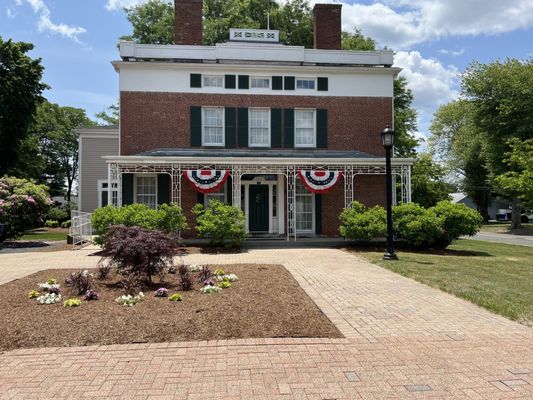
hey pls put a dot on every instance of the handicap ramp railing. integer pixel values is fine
(81, 228)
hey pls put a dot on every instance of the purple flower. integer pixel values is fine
(91, 295)
(161, 292)
(209, 282)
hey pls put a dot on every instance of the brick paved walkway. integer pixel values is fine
(403, 340)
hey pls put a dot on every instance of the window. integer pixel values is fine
(305, 207)
(259, 127)
(213, 127)
(213, 81)
(146, 190)
(304, 128)
(263, 83)
(220, 196)
(103, 193)
(305, 84)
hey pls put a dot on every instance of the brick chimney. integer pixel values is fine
(327, 26)
(188, 24)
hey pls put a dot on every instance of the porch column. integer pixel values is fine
(395, 188)
(291, 203)
(348, 186)
(408, 183)
(175, 182)
(236, 186)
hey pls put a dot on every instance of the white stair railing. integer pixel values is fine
(81, 228)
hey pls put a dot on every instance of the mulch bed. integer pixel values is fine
(265, 302)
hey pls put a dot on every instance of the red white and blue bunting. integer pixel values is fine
(207, 180)
(319, 181)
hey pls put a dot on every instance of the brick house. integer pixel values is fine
(290, 135)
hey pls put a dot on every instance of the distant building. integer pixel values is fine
(496, 205)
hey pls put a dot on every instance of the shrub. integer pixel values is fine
(139, 252)
(223, 224)
(33, 294)
(358, 223)
(104, 269)
(66, 224)
(51, 224)
(416, 225)
(185, 278)
(175, 297)
(131, 285)
(81, 281)
(57, 214)
(218, 272)
(224, 285)
(72, 303)
(168, 218)
(161, 292)
(23, 205)
(457, 220)
(91, 295)
(205, 274)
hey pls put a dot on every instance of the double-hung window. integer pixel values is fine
(304, 128)
(213, 126)
(220, 195)
(146, 190)
(259, 83)
(304, 83)
(305, 206)
(259, 127)
(213, 81)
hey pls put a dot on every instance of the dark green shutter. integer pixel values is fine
(322, 128)
(288, 134)
(104, 195)
(229, 190)
(127, 189)
(200, 198)
(277, 83)
(163, 189)
(196, 126)
(230, 128)
(322, 84)
(229, 81)
(196, 80)
(289, 83)
(275, 127)
(244, 82)
(318, 214)
(243, 127)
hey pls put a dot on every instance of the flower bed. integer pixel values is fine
(265, 301)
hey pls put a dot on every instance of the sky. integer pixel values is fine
(434, 41)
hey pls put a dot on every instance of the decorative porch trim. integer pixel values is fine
(206, 180)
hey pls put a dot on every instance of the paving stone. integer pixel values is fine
(418, 388)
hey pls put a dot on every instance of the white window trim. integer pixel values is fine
(100, 190)
(313, 145)
(313, 214)
(269, 127)
(261, 77)
(212, 76)
(305, 79)
(135, 187)
(204, 143)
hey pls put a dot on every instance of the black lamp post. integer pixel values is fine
(387, 140)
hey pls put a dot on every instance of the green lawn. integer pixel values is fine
(45, 234)
(503, 227)
(496, 276)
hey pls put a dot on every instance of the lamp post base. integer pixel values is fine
(390, 256)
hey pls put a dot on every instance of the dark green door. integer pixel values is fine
(258, 208)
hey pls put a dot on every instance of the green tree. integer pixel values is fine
(457, 141)
(357, 41)
(428, 183)
(518, 181)
(109, 116)
(502, 94)
(20, 93)
(153, 22)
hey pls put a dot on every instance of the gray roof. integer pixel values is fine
(266, 153)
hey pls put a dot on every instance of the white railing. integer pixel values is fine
(81, 228)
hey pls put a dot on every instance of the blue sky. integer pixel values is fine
(435, 40)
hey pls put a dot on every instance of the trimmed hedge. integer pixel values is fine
(167, 218)
(434, 227)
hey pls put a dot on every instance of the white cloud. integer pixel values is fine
(113, 5)
(453, 53)
(11, 13)
(402, 23)
(45, 23)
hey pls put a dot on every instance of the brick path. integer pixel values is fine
(403, 340)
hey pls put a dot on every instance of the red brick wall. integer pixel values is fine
(188, 25)
(332, 205)
(158, 120)
(370, 190)
(327, 26)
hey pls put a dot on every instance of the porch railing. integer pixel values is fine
(81, 229)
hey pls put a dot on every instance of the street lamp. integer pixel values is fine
(387, 140)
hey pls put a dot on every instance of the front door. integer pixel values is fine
(258, 208)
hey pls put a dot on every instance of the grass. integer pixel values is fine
(46, 234)
(503, 227)
(498, 277)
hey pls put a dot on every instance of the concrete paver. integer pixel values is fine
(403, 340)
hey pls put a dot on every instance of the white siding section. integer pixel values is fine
(93, 167)
(176, 79)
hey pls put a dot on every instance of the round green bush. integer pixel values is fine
(358, 223)
(223, 224)
(57, 214)
(51, 224)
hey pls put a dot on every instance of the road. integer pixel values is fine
(504, 238)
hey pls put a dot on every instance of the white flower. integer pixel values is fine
(194, 268)
(211, 289)
(228, 277)
(49, 286)
(49, 298)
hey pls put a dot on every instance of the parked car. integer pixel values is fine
(505, 215)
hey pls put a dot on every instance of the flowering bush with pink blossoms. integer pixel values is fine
(23, 205)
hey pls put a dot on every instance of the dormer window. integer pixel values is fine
(213, 81)
(305, 83)
(260, 83)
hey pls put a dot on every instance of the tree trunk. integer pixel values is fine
(516, 222)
